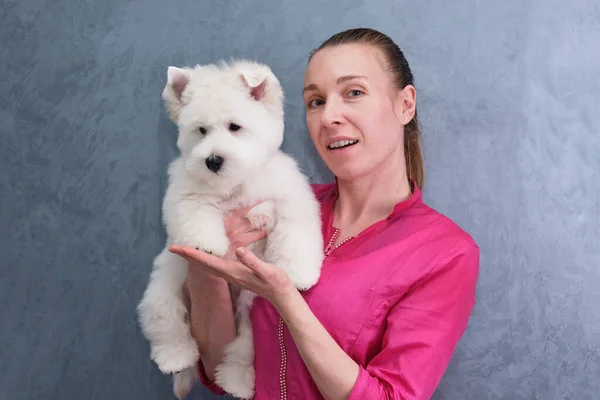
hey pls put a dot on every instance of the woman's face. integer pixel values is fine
(354, 112)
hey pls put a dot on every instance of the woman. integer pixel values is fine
(398, 281)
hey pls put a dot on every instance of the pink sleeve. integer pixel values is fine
(212, 386)
(422, 332)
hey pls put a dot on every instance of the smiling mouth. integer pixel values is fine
(342, 144)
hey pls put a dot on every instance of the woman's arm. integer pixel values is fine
(423, 327)
(208, 299)
(212, 322)
(333, 371)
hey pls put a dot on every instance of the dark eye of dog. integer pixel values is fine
(202, 130)
(234, 127)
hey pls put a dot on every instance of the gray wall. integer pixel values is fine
(508, 95)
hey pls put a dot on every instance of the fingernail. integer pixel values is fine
(177, 250)
(240, 251)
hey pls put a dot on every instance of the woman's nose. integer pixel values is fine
(332, 112)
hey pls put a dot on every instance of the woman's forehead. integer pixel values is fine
(331, 64)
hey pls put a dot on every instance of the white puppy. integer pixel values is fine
(230, 120)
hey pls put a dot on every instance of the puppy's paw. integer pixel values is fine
(260, 221)
(184, 381)
(263, 216)
(177, 357)
(302, 276)
(236, 378)
(215, 244)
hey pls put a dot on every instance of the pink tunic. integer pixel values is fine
(396, 298)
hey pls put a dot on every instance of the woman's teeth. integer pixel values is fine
(341, 143)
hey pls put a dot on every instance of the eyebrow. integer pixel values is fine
(341, 79)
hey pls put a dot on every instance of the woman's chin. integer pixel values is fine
(349, 173)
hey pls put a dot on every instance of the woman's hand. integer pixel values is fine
(239, 230)
(317, 348)
(251, 273)
(315, 345)
(208, 298)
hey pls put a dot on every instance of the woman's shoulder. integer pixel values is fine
(442, 225)
(441, 235)
(414, 218)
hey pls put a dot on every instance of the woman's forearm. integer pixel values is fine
(212, 321)
(333, 371)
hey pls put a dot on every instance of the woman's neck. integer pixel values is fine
(368, 200)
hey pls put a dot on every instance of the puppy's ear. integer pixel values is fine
(177, 81)
(262, 85)
(255, 84)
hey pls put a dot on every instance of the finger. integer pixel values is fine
(230, 270)
(175, 249)
(253, 236)
(203, 257)
(199, 258)
(238, 223)
(241, 226)
(247, 225)
(244, 210)
(195, 257)
(250, 260)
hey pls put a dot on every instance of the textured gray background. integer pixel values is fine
(508, 94)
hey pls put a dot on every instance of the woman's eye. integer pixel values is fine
(355, 93)
(315, 103)
(202, 130)
(234, 127)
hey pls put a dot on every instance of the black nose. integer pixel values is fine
(214, 163)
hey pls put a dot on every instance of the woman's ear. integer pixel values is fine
(406, 104)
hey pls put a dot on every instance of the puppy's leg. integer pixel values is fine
(184, 381)
(296, 243)
(163, 315)
(263, 216)
(236, 373)
(199, 225)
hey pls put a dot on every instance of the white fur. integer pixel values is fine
(196, 200)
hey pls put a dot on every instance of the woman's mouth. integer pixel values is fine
(340, 144)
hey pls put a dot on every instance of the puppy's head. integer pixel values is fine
(229, 115)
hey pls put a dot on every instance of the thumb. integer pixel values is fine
(250, 260)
